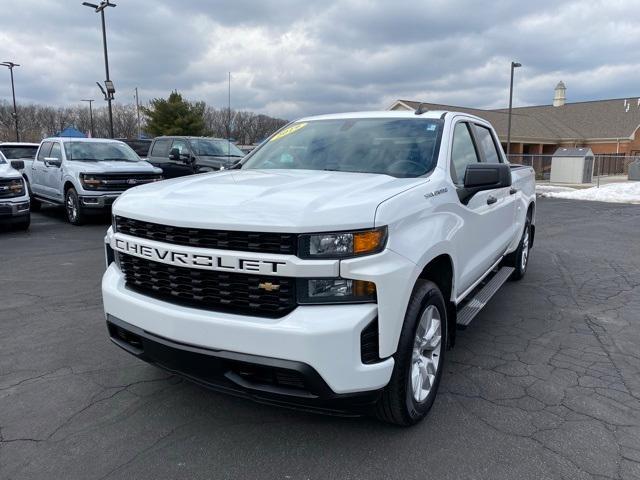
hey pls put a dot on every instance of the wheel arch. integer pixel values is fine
(440, 270)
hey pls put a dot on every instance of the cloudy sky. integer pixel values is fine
(290, 58)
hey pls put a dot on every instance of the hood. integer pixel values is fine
(115, 166)
(7, 171)
(264, 200)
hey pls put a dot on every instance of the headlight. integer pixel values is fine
(335, 290)
(16, 187)
(343, 244)
(90, 182)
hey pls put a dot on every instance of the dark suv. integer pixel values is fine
(179, 156)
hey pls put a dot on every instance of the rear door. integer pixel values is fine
(36, 175)
(486, 216)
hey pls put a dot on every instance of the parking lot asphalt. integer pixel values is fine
(545, 383)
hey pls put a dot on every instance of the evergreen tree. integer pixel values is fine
(175, 116)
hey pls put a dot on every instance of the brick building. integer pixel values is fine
(608, 127)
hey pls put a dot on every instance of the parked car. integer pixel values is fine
(179, 156)
(19, 150)
(139, 145)
(84, 174)
(14, 197)
(330, 268)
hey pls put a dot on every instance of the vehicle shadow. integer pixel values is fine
(55, 212)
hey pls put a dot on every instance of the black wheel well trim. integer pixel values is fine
(440, 271)
(68, 185)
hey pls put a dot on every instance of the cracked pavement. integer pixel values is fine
(544, 384)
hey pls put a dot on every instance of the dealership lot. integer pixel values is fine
(545, 383)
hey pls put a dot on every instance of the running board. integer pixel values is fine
(482, 296)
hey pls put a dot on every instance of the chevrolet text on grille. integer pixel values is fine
(188, 259)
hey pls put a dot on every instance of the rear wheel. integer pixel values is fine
(74, 211)
(419, 360)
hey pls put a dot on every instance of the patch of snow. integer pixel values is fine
(552, 188)
(627, 192)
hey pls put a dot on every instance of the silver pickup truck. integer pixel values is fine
(84, 174)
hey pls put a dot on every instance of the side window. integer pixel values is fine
(181, 145)
(56, 151)
(487, 144)
(161, 148)
(463, 152)
(44, 151)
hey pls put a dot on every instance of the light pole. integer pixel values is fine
(90, 100)
(10, 66)
(514, 65)
(108, 83)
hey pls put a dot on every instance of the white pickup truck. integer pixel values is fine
(330, 268)
(14, 198)
(84, 174)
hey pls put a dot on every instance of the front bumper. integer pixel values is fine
(98, 201)
(14, 210)
(326, 338)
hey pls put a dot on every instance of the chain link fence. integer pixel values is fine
(603, 165)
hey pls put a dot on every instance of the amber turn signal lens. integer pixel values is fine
(368, 241)
(362, 288)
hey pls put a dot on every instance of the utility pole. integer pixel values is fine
(514, 65)
(90, 114)
(229, 121)
(138, 113)
(108, 83)
(10, 66)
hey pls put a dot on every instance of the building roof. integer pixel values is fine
(579, 121)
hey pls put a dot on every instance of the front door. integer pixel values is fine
(487, 216)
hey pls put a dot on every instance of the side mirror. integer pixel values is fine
(484, 176)
(17, 164)
(52, 161)
(174, 154)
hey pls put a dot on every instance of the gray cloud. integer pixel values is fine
(291, 58)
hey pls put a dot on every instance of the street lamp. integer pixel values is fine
(514, 65)
(90, 100)
(10, 66)
(108, 83)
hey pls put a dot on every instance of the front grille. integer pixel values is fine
(7, 192)
(261, 242)
(117, 182)
(209, 290)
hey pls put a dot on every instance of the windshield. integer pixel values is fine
(19, 151)
(98, 151)
(392, 146)
(215, 148)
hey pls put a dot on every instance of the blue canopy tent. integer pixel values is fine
(71, 132)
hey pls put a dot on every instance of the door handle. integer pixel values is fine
(513, 191)
(491, 200)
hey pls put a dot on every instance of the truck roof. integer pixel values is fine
(81, 139)
(433, 114)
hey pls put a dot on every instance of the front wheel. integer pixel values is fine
(74, 212)
(24, 223)
(419, 359)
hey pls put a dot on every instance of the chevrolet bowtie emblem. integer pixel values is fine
(269, 287)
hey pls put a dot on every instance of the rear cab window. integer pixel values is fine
(487, 144)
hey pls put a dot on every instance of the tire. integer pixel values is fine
(406, 399)
(520, 258)
(34, 204)
(24, 224)
(72, 208)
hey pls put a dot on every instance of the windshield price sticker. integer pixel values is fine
(288, 131)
